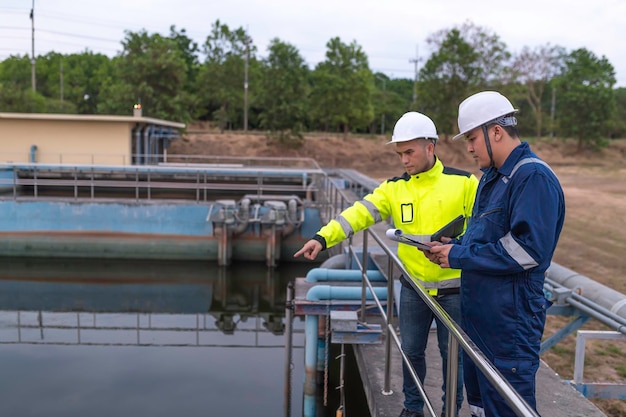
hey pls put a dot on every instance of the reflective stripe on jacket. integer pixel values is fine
(419, 204)
(507, 247)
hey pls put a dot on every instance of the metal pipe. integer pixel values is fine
(243, 216)
(597, 311)
(606, 297)
(591, 312)
(329, 292)
(336, 262)
(310, 366)
(317, 293)
(146, 144)
(292, 213)
(327, 274)
(33, 153)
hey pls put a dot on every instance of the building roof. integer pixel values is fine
(91, 118)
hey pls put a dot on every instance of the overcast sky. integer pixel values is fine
(391, 32)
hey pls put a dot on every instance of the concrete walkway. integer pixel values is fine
(555, 398)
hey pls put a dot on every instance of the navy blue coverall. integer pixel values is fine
(508, 245)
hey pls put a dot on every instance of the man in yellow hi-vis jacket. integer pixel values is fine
(421, 201)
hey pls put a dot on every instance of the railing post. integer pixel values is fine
(288, 347)
(452, 373)
(390, 306)
(364, 274)
(579, 358)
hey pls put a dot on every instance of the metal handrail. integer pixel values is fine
(165, 158)
(143, 179)
(457, 337)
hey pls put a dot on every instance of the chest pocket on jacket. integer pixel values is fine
(490, 225)
(406, 210)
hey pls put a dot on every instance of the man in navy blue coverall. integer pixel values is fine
(508, 245)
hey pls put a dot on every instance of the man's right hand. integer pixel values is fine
(309, 250)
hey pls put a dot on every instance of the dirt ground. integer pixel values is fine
(592, 243)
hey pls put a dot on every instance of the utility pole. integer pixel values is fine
(552, 109)
(32, 60)
(245, 84)
(415, 61)
(382, 116)
(61, 79)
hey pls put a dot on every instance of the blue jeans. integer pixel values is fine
(415, 322)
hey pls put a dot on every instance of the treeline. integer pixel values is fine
(560, 93)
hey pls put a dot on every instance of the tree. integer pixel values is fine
(15, 72)
(221, 78)
(342, 88)
(618, 129)
(492, 56)
(391, 98)
(71, 83)
(447, 78)
(189, 52)
(585, 98)
(152, 69)
(284, 89)
(534, 68)
(16, 94)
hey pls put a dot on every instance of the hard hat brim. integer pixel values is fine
(408, 140)
(459, 136)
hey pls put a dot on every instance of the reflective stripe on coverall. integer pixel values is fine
(507, 247)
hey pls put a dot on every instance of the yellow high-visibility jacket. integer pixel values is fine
(418, 204)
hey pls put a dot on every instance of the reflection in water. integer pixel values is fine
(109, 338)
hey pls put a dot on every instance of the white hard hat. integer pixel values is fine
(484, 107)
(413, 125)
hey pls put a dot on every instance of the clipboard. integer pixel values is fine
(399, 236)
(452, 229)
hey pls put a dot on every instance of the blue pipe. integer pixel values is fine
(310, 366)
(329, 292)
(328, 274)
(311, 348)
(33, 153)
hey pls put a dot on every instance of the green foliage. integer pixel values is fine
(489, 65)
(534, 69)
(341, 98)
(15, 72)
(390, 100)
(618, 122)
(449, 75)
(220, 85)
(284, 88)
(177, 79)
(466, 59)
(17, 100)
(152, 70)
(189, 52)
(585, 98)
(60, 107)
